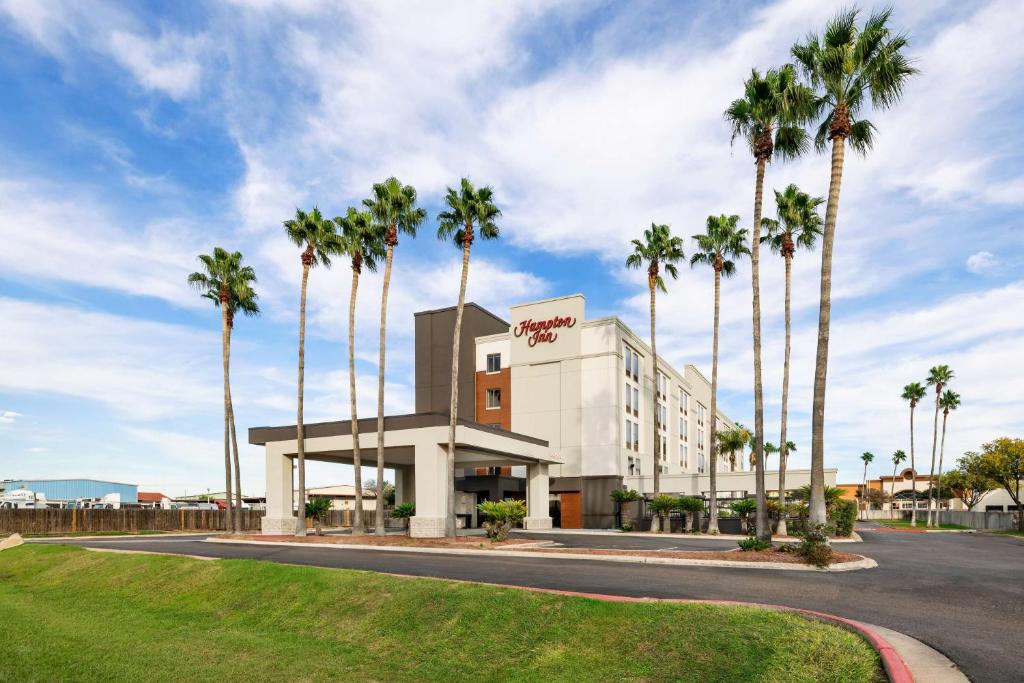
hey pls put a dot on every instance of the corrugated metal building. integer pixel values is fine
(66, 490)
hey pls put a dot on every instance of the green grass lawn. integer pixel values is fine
(1007, 532)
(905, 524)
(70, 614)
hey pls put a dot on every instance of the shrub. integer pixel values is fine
(743, 507)
(789, 548)
(404, 511)
(627, 525)
(662, 505)
(844, 514)
(692, 506)
(753, 543)
(815, 548)
(501, 516)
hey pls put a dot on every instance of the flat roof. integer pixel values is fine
(260, 436)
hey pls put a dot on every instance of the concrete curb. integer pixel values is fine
(124, 551)
(864, 563)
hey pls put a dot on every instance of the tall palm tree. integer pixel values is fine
(848, 66)
(730, 441)
(798, 224)
(769, 448)
(318, 239)
(950, 401)
(394, 211)
(363, 243)
(913, 392)
(660, 250)
(230, 285)
(470, 210)
(770, 118)
(867, 457)
(721, 242)
(897, 458)
(938, 376)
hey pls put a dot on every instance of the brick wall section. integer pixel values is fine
(500, 416)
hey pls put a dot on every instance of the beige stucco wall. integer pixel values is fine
(738, 482)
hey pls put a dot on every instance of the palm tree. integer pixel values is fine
(913, 392)
(770, 117)
(317, 238)
(229, 284)
(798, 225)
(769, 448)
(848, 66)
(897, 458)
(939, 376)
(950, 401)
(867, 457)
(394, 211)
(660, 249)
(730, 441)
(363, 243)
(722, 241)
(468, 209)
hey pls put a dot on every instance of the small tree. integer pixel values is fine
(660, 507)
(692, 506)
(317, 508)
(969, 487)
(404, 511)
(876, 499)
(743, 508)
(502, 516)
(1002, 461)
(621, 496)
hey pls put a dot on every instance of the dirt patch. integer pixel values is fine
(462, 542)
(773, 555)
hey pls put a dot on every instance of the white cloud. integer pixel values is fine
(8, 417)
(981, 262)
(167, 64)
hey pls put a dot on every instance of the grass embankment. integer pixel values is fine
(905, 524)
(70, 614)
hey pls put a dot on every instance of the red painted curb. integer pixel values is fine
(895, 668)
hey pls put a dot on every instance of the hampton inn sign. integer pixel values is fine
(538, 331)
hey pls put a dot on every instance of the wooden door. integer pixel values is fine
(572, 513)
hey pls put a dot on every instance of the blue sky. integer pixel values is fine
(135, 136)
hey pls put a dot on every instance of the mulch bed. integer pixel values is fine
(773, 555)
(467, 542)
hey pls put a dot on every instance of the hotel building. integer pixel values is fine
(553, 408)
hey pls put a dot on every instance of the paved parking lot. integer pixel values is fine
(962, 594)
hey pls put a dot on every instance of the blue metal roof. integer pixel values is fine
(72, 489)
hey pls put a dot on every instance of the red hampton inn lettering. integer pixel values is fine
(542, 330)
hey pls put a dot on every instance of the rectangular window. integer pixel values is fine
(493, 362)
(636, 436)
(629, 398)
(700, 414)
(684, 432)
(684, 456)
(700, 463)
(664, 448)
(493, 399)
(700, 439)
(629, 434)
(636, 401)
(663, 415)
(684, 401)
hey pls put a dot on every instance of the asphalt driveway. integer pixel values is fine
(962, 594)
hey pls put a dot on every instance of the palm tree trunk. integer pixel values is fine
(892, 494)
(656, 444)
(762, 527)
(225, 354)
(864, 492)
(817, 514)
(357, 469)
(712, 433)
(935, 439)
(942, 452)
(238, 472)
(913, 471)
(378, 525)
(783, 449)
(453, 410)
(300, 430)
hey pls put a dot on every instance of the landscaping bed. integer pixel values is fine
(71, 614)
(461, 542)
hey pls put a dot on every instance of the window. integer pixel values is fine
(662, 416)
(684, 432)
(493, 399)
(636, 436)
(631, 361)
(662, 384)
(701, 410)
(493, 362)
(684, 456)
(629, 433)
(700, 439)
(684, 401)
(664, 448)
(636, 401)
(700, 463)
(629, 399)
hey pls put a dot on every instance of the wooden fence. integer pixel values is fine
(53, 521)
